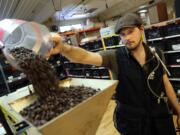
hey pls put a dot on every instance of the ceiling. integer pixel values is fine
(42, 10)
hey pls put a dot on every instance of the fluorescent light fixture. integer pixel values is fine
(142, 11)
(70, 27)
(65, 28)
(79, 15)
(77, 26)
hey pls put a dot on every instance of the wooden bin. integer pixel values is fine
(82, 119)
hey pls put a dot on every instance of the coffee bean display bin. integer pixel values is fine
(82, 119)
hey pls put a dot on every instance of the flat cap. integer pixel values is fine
(128, 20)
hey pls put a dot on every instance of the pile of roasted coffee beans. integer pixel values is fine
(41, 111)
(38, 71)
(52, 100)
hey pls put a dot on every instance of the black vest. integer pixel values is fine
(132, 89)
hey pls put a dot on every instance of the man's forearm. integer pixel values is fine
(171, 94)
(74, 54)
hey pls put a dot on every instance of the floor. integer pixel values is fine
(106, 126)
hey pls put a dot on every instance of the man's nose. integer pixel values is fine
(126, 38)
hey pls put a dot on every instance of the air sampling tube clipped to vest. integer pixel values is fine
(153, 51)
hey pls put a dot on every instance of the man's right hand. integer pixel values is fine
(58, 44)
(74, 54)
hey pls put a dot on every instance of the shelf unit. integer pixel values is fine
(10, 78)
(94, 45)
(177, 51)
(166, 36)
(56, 63)
(81, 31)
(174, 79)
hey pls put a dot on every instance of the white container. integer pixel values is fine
(18, 33)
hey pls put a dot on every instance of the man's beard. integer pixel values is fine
(134, 46)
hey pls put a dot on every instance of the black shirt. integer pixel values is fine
(132, 89)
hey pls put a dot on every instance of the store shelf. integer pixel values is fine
(16, 79)
(76, 76)
(95, 50)
(105, 77)
(177, 51)
(114, 46)
(90, 41)
(173, 66)
(65, 62)
(161, 38)
(176, 20)
(81, 31)
(173, 36)
(96, 77)
(174, 79)
(74, 68)
(95, 68)
(155, 39)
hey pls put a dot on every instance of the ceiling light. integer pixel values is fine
(79, 15)
(142, 11)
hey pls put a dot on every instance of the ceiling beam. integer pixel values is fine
(122, 8)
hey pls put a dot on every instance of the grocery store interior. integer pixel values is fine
(88, 109)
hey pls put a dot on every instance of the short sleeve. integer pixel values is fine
(110, 61)
(108, 56)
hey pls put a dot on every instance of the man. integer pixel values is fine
(143, 83)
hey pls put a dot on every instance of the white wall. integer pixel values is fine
(70, 22)
(153, 15)
(170, 9)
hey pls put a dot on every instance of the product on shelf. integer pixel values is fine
(13, 77)
(87, 66)
(98, 44)
(172, 29)
(94, 45)
(95, 73)
(172, 44)
(69, 65)
(63, 59)
(176, 85)
(172, 58)
(76, 72)
(57, 63)
(175, 71)
(112, 41)
(104, 72)
(154, 32)
(88, 73)
(60, 72)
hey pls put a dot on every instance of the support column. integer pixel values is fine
(177, 8)
(158, 13)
